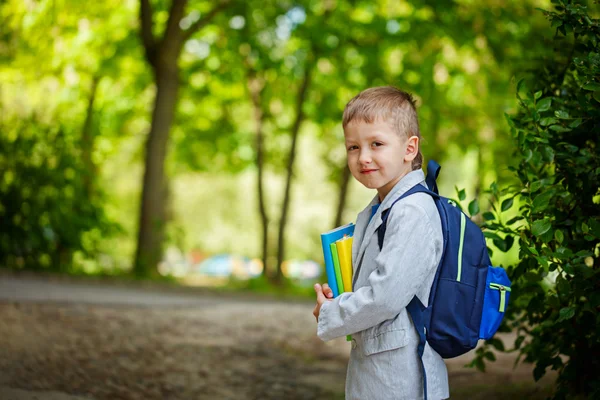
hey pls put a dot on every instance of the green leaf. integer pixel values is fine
(535, 186)
(547, 236)
(510, 121)
(560, 128)
(508, 242)
(490, 356)
(461, 194)
(575, 123)
(532, 277)
(548, 121)
(536, 160)
(489, 216)
(507, 204)
(518, 341)
(540, 227)
(544, 104)
(473, 207)
(541, 201)
(562, 114)
(548, 153)
(492, 235)
(593, 86)
(496, 343)
(563, 286)
(520, 84)
(537, 94)
(564, 252)
(515, 219)
(500, 244)
(559, 236)
(543, 261)
(540, 370)
(566, 313)
(568, 28)
(562, 30)
(584, 228)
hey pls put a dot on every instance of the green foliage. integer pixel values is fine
(555, 299)
(47, 212)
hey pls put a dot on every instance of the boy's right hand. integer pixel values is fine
(327, 291)
(324, 293)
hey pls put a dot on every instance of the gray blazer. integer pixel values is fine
(384, 363)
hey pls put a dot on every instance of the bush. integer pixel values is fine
(555, 300)
(47, 212)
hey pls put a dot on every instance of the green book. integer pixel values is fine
(336, 268)
(338, 274)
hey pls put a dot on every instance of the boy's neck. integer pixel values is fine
(387, 189)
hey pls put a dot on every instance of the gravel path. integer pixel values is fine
(69, 340)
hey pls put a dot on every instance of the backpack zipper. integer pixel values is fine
(463, 226)
(503, 289)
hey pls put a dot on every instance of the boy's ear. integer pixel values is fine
(412, 148)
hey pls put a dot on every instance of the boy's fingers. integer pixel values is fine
(317, 288)
(327, 291)
(320, 296)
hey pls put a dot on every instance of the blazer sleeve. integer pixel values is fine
(410, 253)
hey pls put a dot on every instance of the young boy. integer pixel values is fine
(382, 136)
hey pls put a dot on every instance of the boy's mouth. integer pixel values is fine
(367, 171)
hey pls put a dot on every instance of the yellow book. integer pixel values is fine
(344, 248)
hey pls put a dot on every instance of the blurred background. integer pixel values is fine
(208, 141)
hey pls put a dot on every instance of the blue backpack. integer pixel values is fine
(468, 296)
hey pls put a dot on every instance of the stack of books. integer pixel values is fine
(337, 253)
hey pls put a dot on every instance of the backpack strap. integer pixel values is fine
(433, 170)
(418, 188)
(415, 308)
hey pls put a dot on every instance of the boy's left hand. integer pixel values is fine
(323, 292)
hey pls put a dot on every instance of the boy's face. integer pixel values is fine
(378, 157)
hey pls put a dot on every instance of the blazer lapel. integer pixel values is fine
(362, 221)
(370, 230)
(407, 182)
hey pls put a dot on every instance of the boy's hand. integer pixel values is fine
(324, 293)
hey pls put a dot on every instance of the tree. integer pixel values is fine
(163, 56)
(555, 304)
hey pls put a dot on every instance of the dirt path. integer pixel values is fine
(64, 340)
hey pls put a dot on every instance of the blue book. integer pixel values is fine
(326, 239)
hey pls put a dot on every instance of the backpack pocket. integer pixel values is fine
(495, 301)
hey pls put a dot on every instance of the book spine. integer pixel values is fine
(336, 267)
(344, 248)
(329, 270)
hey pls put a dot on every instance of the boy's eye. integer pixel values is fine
(377, 144)
(352, 147)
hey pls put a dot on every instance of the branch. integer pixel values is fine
(175, 17)
(202, 22)
(146, 31)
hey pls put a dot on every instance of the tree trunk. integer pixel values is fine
(87, 141)
(343, 194)
(290, 171)
(152, 216)
(163, 56)
(255, 88)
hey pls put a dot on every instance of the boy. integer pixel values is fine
(382, 136)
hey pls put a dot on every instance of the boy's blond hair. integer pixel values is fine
(386, 103)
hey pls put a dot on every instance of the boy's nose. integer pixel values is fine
(364, 157)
